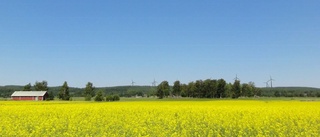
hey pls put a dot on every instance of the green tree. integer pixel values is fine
(89, 91)
(210, 88)
(109, 98)
(221, 88)
(199, 89)
(248, 89)
(50, 95)
(184, 90)
(163, 89)
(191, 89)
(257, 92)
(116, 97)
(99, 96)
(64, 92)
(41, 86)
(166, 88)
(229, 92)
(236, 89)
(254, 90)
(245, 89)
(27, 87)
(176, 89)
(277, 93)
(160, 92)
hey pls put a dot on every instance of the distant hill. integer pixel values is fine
(291, 91)
(295, 88)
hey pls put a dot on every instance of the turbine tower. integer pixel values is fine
(271, 81)
(267, 84)
(132, 83)
(236, 78)
(154, 83)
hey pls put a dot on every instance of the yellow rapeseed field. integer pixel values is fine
(160, 118)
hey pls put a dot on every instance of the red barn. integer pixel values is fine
(29, 95)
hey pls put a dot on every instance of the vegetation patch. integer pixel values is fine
(160, 118)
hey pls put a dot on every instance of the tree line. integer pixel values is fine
(64, 94)
(122, 91)
(291, 92)
(209, 88)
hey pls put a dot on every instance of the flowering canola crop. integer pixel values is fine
(160, 118)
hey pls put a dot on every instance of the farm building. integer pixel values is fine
(29, 95)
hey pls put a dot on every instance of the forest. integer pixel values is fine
(209, 88)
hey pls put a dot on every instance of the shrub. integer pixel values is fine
(99, 96)
(116, 98)
(109, 98)
(112, 98)
(87, 98)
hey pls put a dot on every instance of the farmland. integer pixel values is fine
(161, 118)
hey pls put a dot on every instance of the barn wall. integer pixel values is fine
(15, 98)
(23, 98)
(27, 98)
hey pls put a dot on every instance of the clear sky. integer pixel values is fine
(110, 43)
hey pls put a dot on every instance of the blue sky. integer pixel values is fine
(111, 43)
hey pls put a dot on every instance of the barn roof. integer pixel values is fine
(29, 93)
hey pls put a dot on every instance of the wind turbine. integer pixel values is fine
(267, 83)
(154, 83)
(132, 83)
(236, 78)
(271, 81)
